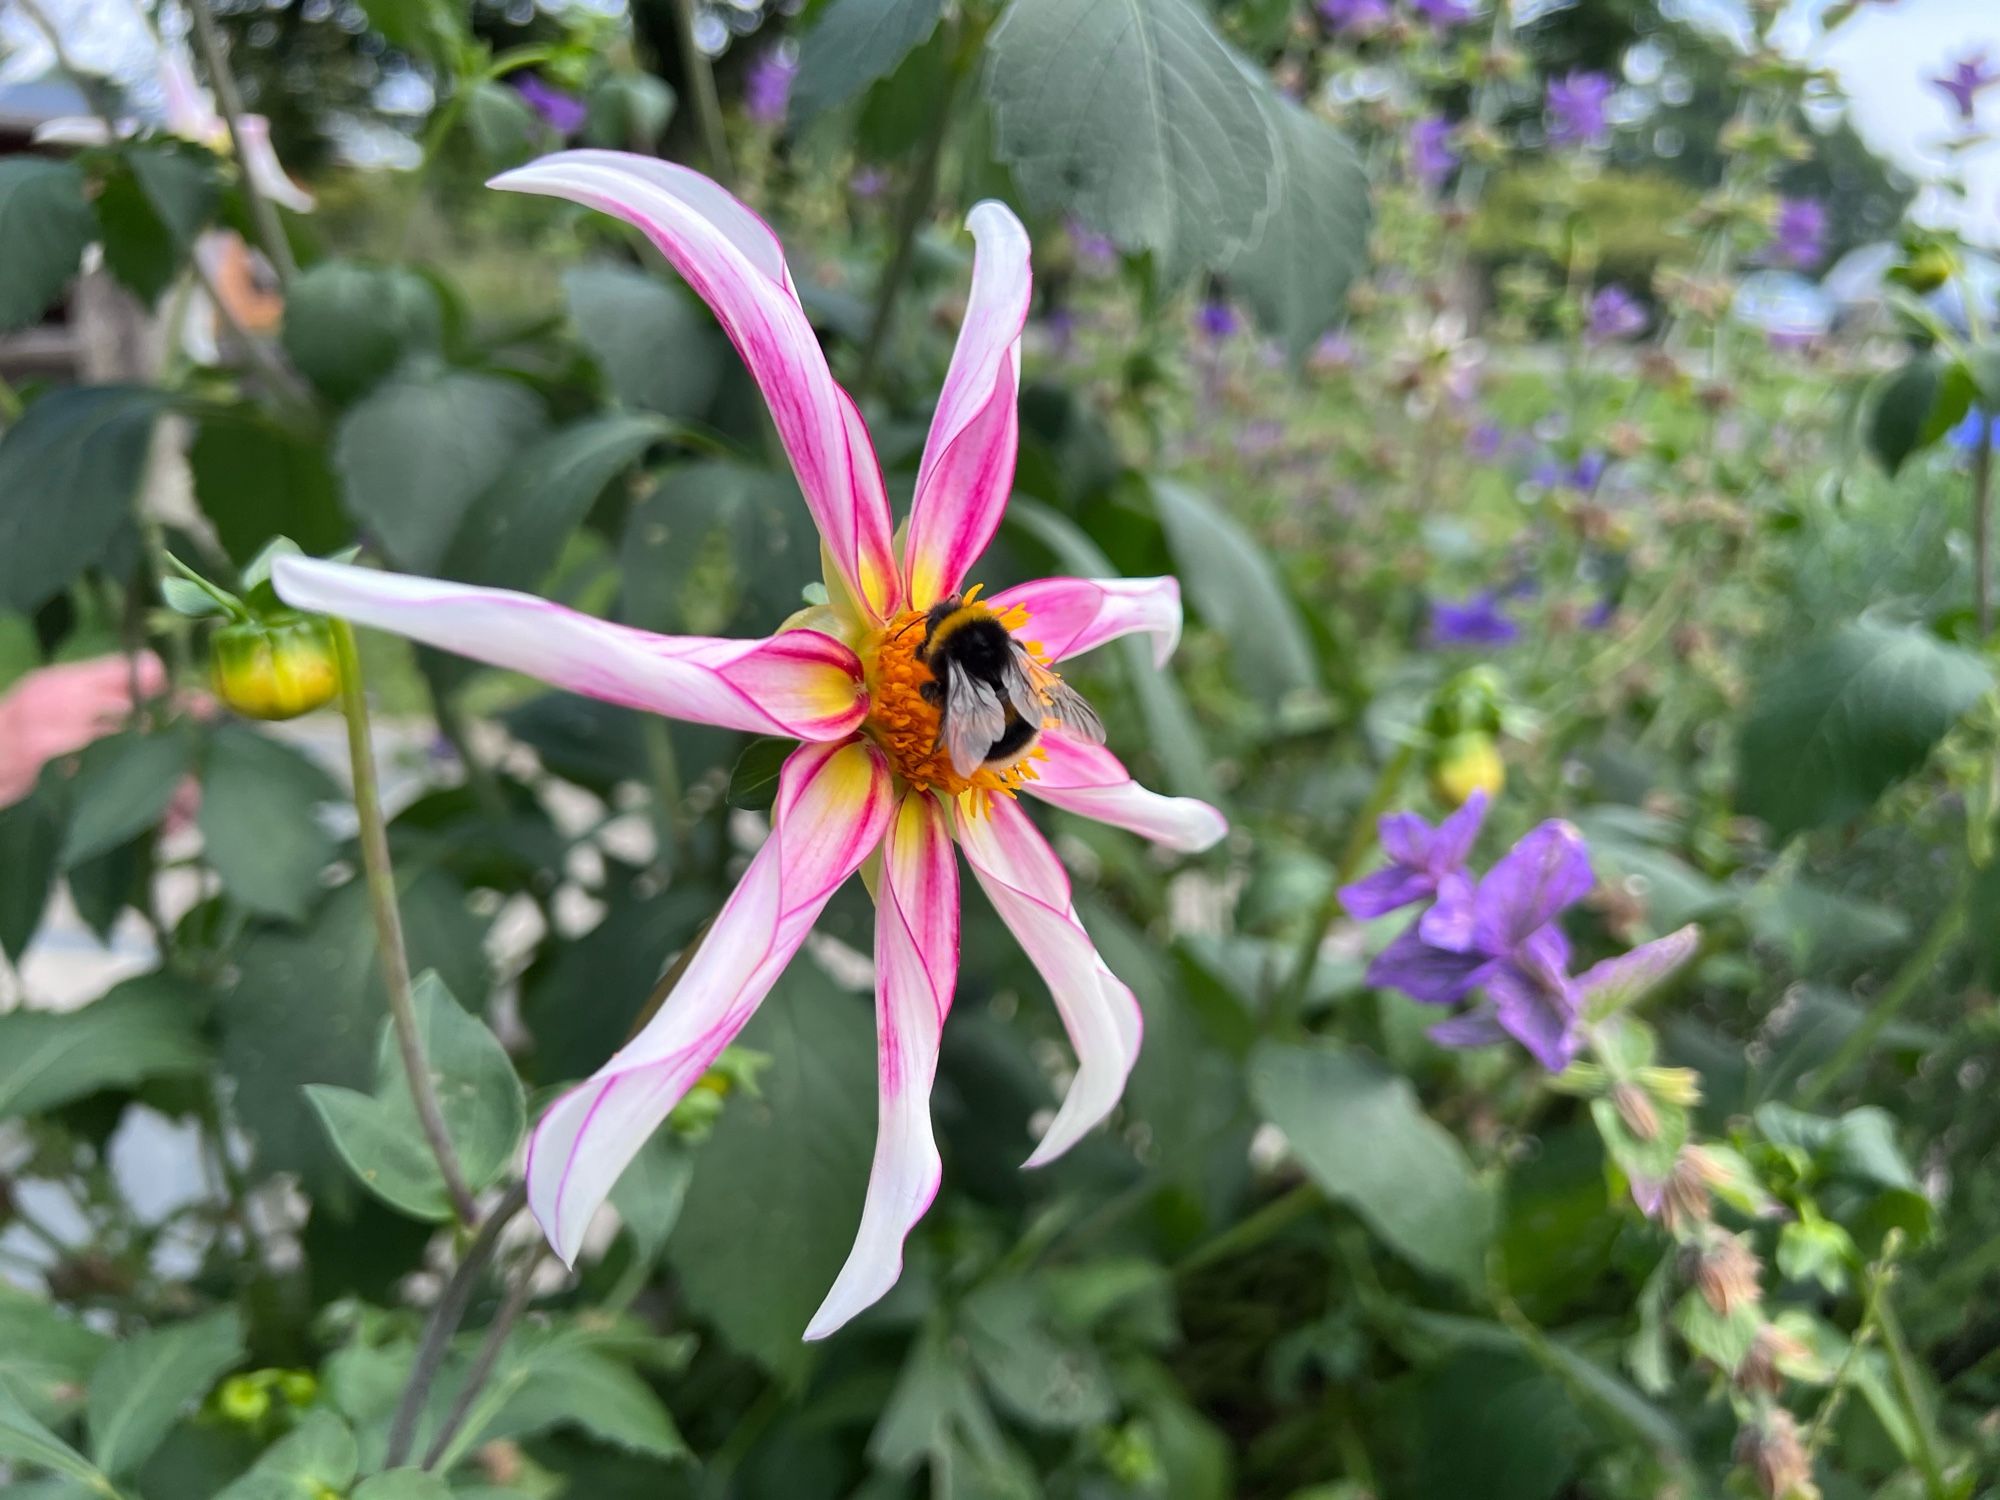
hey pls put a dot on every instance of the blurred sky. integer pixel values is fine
(1884, 56)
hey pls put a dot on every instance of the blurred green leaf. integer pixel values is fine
(714, 542)
(1496, 1426)
(650, 1194)
(1900, 409)
(851, 44)
(1136, 117)
(25, 1440)
(1236, 589)
(46, 1354)
(630, 112)
(1836, 725)
(504, 129)
(153, 204)
(144, 1028)
(1363, 1138)
(259, 821)
(403, 1484)
(1046, 1378)
(513, 533)
(434, 30)
(1296, 272)
(45, 226)
(484, 1109)
(69, 471)
(31, 831)
(316, 1458)
(144, 1385)
(255, 480)
(348, 324)
(416, 453)
(557, 1379)
(753, 781)
(657, 348)
(123, 787)
(777, 1187)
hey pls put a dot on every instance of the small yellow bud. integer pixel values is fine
(244, 1399)
(1467, 763)
(298, 1387)
(275, 670)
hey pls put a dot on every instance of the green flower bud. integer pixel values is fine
(298, 1387)
(244, 1399)
(275, 669)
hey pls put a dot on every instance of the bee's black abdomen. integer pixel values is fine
(1017, 736)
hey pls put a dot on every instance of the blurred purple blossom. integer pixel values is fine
(1798, 234)
(1354, 16)
(1601, 613)
(1585, 474)
(868, 183)
(1500, 935)
(767, 86)
(1092, 248)
(1578, 110)
(1476, 621)
(561, 111)
(1445, 14)
(1431, 155)
(1966, 434)
(1614, 314)
(1970, 76)
(1420, 858)
(1216, 320)
(1485, 442)
(1336, 350)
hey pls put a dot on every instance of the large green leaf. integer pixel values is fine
(25, 1440)
(68, 472)
(712, 542)
(141, 1387)
(1296, 272)
(1135, 116)
(316, 1459)
(45, 226)
(405, 1484)
(478, 1093)
(1363, 1138)
(851, 45)
(255, 480)
(777, 1188)
(1236, 588)
(124, 787)
(348, 324)
(514, 532)
(562, 1380)
(657, 348)
(416, 452)
(153, 205)
(1836, 725)
(1900, 408)
(144, 1028)
(45, 1354)
(259, 824)
(31, 831)
(1046, 1378)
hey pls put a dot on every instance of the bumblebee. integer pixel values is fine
(993, 698)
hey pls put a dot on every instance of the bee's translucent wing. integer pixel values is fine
(972, 720)
(1041, 697)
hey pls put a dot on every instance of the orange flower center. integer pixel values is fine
(906, 724)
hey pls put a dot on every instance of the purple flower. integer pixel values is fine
(1500, 936)
(1968, 79)
(1431, 155)
(1092, 248)
(1967, 434)
(1354, 16)
(1798, 234)
(1577, 109)
(1617, 983)
(1615, 314)
(1420, 857)
(1216, 319)
(767, 87)
(562, 112)
(1485, 442)
(1478, 621)
(1445, 14)
(869, 183)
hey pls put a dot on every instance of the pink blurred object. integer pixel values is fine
(56, 711)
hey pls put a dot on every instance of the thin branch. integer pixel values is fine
(229, 103)
(489, 1355)
(700, 80)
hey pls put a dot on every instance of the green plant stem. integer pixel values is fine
(394, 955)
(1290, 1000)
(10, 402)
(444, 1445)
(665, 768)
(700, 80)
(915, 210)
(1982, 533)
(444, 119)
(1903, 1370)
(286, 386)
(443, 1323)
(1248, 1234)
(1916, 969)
(229, 104)
(1864, 1331)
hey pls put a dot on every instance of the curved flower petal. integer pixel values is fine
(1532, 884)
(968, 464)
(1028, 887)
(1092, 782)
(260, 165)
(735, 263)
(1069, 616)
(801, 683)
(189, 108)
(833, 805)
(77, 130)
(916, 967)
